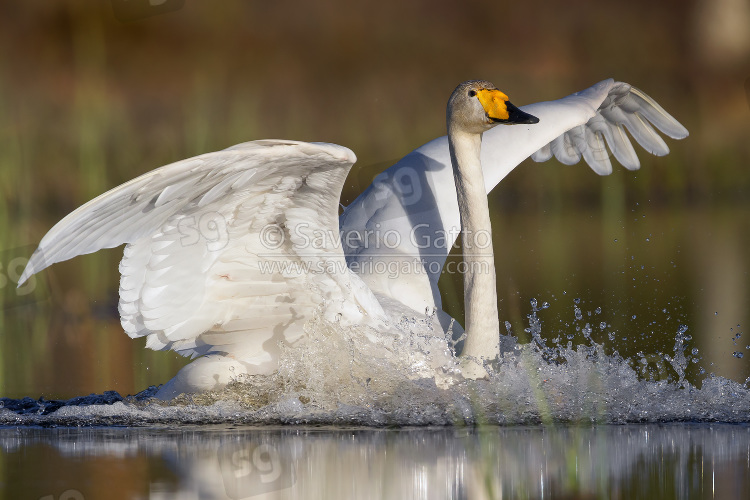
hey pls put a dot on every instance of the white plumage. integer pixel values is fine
(598, 113)
(230, 253)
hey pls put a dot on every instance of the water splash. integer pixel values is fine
(409, 376)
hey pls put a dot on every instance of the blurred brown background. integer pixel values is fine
(90, 99)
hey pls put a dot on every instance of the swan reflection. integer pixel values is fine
(644, 461)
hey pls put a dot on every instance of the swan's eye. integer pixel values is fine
(472, 93)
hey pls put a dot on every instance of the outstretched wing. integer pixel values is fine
(625, 107)
(410, 212)
(228, 252)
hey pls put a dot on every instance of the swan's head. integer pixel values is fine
(476, 106)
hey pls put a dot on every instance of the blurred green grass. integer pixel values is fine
(88, 102)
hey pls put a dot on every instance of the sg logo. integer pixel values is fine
(12, 264)
(250, 469)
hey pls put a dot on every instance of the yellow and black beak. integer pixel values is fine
(500, 110)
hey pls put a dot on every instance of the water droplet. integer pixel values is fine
(578, 314)
(587, 331)
(738, 355)
(695, 351)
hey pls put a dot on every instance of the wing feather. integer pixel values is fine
(624, 108)
(582, 125)
(192, 275)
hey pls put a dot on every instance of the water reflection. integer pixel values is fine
(648, 461)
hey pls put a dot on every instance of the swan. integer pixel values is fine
(228, 254)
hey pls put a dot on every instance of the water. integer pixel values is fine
(578, 421)
(408, 376)
(217, 462)
(612, 391)
(563, 414)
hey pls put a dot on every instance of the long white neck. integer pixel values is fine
(480, 295)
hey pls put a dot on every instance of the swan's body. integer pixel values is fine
(230, 253)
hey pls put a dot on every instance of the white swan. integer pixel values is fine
(230, 253)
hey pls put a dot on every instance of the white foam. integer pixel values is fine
(341, 377)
